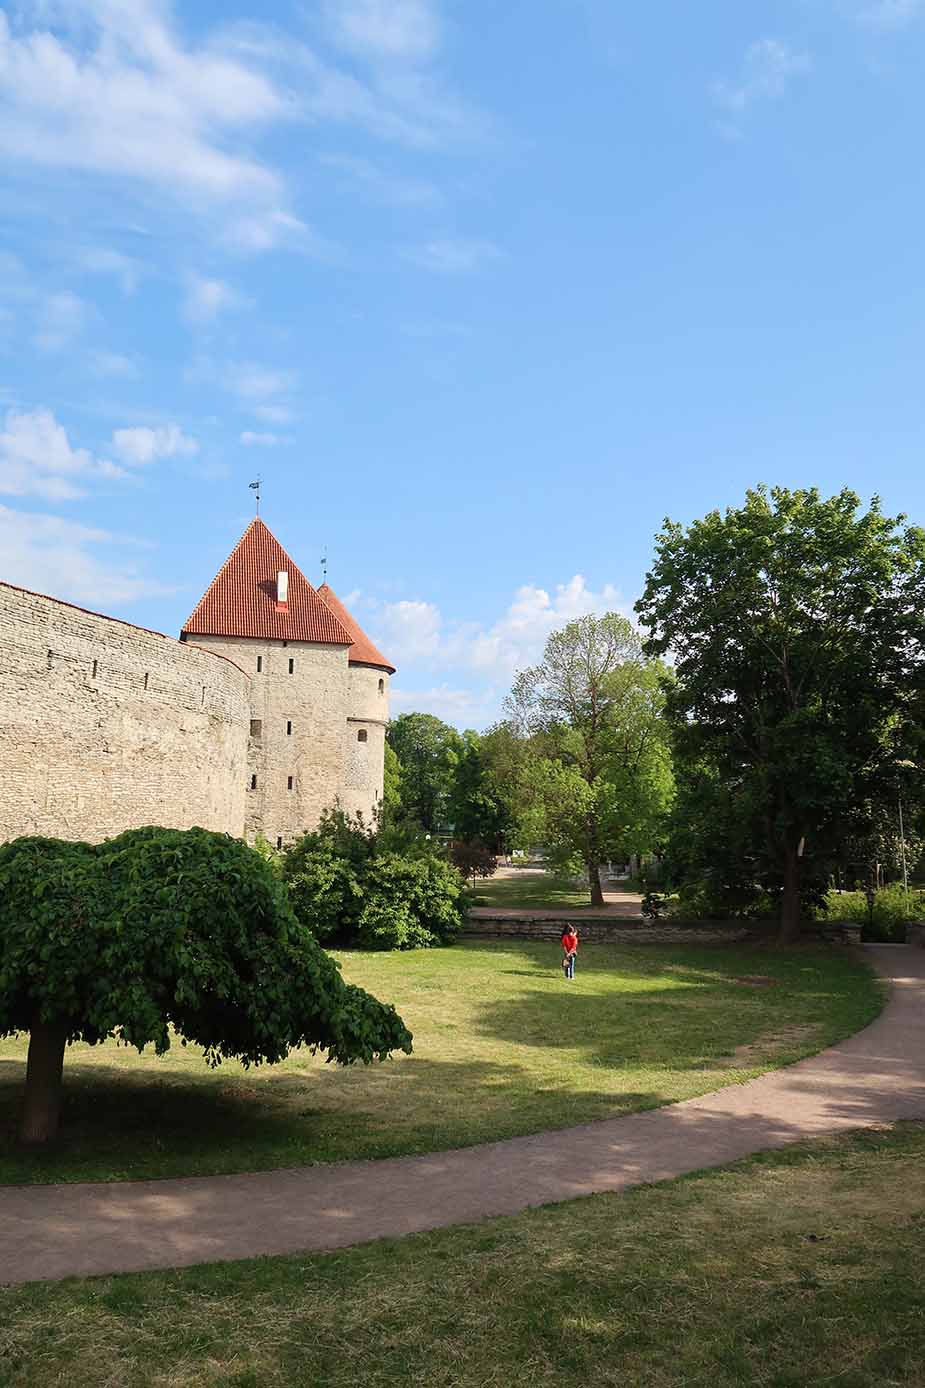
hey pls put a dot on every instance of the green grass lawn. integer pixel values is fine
(530, 889)
(802, 1267)
(503, 1045)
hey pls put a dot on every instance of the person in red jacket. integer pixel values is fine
(569, 950)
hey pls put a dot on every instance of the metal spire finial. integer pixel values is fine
(255, 487)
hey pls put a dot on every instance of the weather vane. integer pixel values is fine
(255, 487)
(324, 565)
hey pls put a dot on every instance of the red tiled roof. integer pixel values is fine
(362, 652)
(241, 599)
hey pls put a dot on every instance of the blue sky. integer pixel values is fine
(481, 291)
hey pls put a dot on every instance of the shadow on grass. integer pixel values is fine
(117, 1125)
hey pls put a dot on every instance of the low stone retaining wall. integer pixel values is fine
(644, 932)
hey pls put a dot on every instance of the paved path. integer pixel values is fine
(875, 1077)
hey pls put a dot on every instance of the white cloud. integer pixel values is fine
(452, 256)
(49, 554)
(260, 389)
(254, 382)
(768, 69)
(414, 631)
(140, 446)
(113, 89)
(37, 459)
(61, 317)
(384, 29)
(252, 440)
(207, 298)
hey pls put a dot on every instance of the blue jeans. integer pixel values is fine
(570, 966)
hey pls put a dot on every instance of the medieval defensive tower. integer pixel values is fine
(318, 688)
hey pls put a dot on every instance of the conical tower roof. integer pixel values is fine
(242, 598)
(362, 650)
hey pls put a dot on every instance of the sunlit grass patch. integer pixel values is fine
(503, 1046)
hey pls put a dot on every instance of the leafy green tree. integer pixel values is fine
(385, 890)
(598, 777)
(429, 752)
(477, 807)
(391, 786)
(159, 929)
(796, 625)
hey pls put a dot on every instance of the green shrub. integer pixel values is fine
(885, 920)
(353, 886)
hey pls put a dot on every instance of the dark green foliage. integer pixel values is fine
(163, 928)
(428, 752)
(391, 890)
(796, 627)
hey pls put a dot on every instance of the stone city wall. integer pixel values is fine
(105, 726)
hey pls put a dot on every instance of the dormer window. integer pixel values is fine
(282, 587)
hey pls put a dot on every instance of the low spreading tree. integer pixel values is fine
(162, 930)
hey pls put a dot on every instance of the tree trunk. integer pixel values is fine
(594, 882)
(47, 1041)
(790, 901)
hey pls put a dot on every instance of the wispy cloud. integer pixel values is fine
(257, 440)
(263, 390)
(114, 90)
(50, 554)
(382, 185)
(384, 29)
(892, 14)
(101, 260)
(206, 298)
(112, 364)
(768, 69)
(137, 447)
(453, 256)
(60, 318)
(38, 459)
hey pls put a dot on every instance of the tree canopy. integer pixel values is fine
(428, 751)
(598, 778)
(796, 625)
(162, 929)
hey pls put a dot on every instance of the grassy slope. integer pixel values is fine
(803, 1267)
(503, 1045)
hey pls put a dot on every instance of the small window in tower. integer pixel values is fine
(291, 666)
(289, 729)
(256, 728)
(259, 664)
(289, 783)
(279, 843)
(382, 686)
(362, 735)
(146, 679)
(96, 665)
(253, 782)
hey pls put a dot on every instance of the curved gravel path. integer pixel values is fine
(875, 1077)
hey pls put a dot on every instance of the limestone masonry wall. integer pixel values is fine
(105, 726)
(297, 731)
(364, 753)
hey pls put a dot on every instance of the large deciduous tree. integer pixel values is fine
(429, 752)
(796, 625)
(164, 929)
(599, 774)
